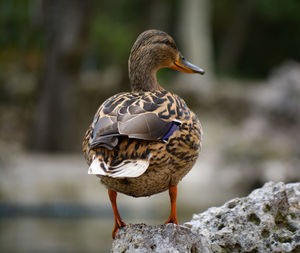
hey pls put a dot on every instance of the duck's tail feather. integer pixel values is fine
(127, 168)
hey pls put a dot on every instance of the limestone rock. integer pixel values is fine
(142, 238)
(268, 220)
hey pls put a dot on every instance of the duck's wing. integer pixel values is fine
(148, 117)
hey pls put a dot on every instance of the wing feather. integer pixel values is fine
(144, 116)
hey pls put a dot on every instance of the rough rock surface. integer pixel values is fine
(162, 238)
(268, 220)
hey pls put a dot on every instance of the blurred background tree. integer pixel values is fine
(65, 24)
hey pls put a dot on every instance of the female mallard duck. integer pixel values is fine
(145, 141)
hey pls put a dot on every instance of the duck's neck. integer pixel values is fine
(143, 78)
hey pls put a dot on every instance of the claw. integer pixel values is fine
(118, 224)
(172, 220)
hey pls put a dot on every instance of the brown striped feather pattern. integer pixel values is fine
(130, 126)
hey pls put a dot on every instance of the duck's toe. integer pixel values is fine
(119, 224)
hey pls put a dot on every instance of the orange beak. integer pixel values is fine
(184, 66)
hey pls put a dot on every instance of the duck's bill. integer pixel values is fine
(186, 67)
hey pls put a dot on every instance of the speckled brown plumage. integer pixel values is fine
(170, 160)
(149, 128)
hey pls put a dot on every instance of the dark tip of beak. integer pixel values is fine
(192, 67)
(200, 71)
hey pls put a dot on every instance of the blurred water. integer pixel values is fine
(36, 234)
(55, 235)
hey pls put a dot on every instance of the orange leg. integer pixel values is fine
(118, 221)
(173, 197)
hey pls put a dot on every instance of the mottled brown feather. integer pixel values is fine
(130, 125)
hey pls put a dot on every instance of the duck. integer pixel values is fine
(143, 142)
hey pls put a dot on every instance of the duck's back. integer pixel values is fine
(142, 142)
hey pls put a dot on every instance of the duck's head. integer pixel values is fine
(152, 51)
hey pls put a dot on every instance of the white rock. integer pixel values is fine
(268, 220)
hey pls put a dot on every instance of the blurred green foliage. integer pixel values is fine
(271, 37)
(277, 10)
(17, 25)
(112, 32)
